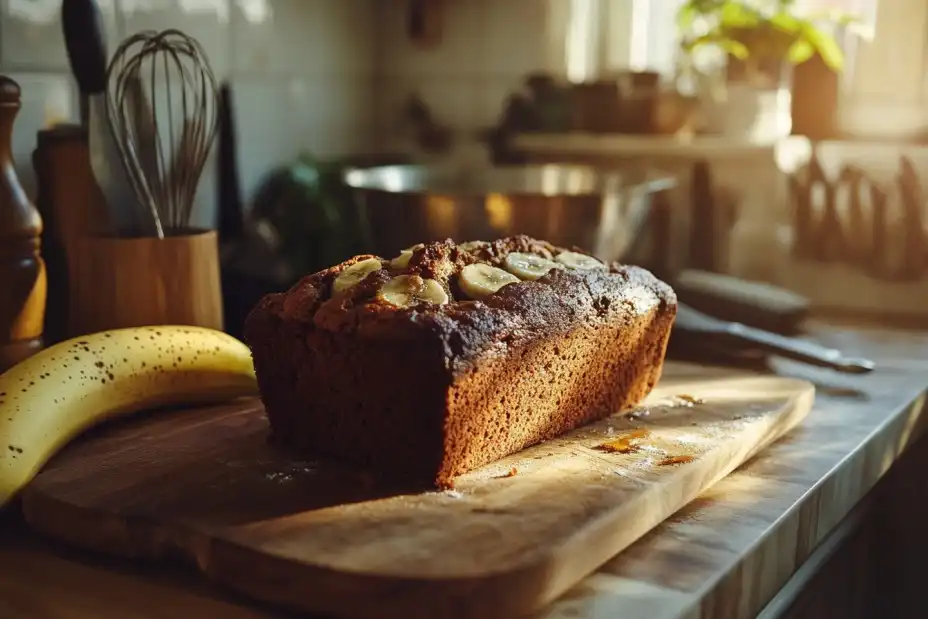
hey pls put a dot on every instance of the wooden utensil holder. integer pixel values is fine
(132, 282)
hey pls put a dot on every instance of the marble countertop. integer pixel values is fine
(725, 555)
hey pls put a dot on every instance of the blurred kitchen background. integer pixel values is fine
(807, 177)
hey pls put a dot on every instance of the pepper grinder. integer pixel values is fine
(23, 286)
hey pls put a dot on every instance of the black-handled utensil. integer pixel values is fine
(755, 304)
(82, 26)
(84, 38)
(720, 332)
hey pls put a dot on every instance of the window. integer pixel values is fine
(885, 78)
(604, 36)
(654, 37)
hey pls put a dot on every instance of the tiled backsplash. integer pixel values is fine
(302, 72)
(486, 50)
(324, 76)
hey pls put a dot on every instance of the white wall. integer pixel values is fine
(486, 50)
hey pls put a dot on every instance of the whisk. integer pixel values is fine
(162, 104)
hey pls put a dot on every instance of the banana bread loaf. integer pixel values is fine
(451, 356)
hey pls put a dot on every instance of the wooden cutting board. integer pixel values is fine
(203, 485)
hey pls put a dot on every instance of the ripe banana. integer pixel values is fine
(53, 396)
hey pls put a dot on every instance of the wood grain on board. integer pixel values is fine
(204, 485)
(727, 553)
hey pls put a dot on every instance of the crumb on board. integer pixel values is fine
(628, 442)
(673, 460)
(510, 473)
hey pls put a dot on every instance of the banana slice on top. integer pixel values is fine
(410, 290)
(575, 260)
(528, 266)
(402, 261)
(472, 245)
(354, 274)
(480, 280)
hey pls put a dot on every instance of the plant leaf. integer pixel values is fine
(800, 51)
(737, 49)
(686, 16)
(738, 15)
(788, 23)
(826, 46)
(720, 39)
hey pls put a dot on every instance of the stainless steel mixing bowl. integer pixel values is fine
(599, 211)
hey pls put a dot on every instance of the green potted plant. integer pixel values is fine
(762, 37)
(759, 40)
